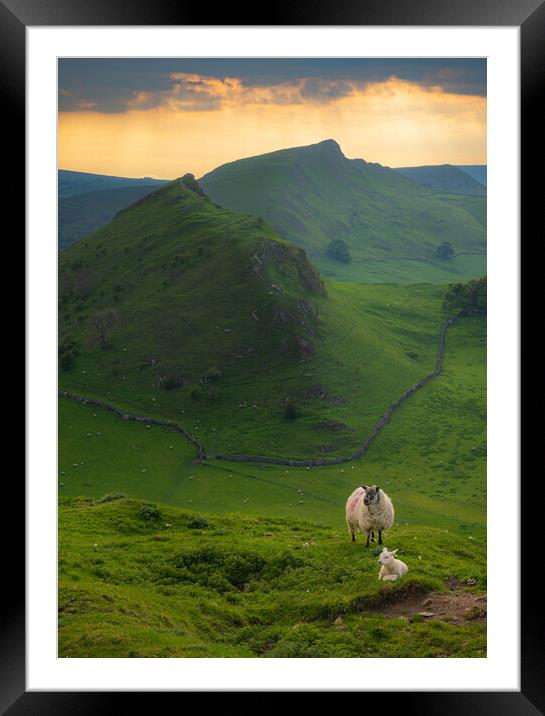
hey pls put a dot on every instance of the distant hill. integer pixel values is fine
(444, 178)
(80, 214)
(391, 225)
(71, 183)
(477, 171)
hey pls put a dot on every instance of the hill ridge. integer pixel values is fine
(314, 196)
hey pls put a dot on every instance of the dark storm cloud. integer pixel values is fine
(117, 85)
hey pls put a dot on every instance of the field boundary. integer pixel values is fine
(292, 462)
(201, 452)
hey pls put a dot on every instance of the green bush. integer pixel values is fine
(444, 250)
(468, 298)
(150, 512)
(339, 251)
(198, 523)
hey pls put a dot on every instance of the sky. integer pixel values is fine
(165, 117)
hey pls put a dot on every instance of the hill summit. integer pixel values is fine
(391, 225)
(176, 291)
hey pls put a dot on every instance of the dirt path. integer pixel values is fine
(293, 462)
(456, 607)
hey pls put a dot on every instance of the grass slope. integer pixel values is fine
(476, 171)
(391, 225)
(71, 183)
(272, 568)
(431, 458)
(371, 344)
(80, 214)
(137, 580)
(444, 178)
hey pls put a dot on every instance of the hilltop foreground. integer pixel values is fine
(144, 580)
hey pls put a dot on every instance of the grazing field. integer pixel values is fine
(374, 342)
(160, 555)
(141, 580)
(223, 559)
(431, 457)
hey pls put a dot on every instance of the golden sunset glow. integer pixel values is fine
(202, 122)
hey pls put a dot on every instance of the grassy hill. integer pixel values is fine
(71, 183)
(223, 559)
(142, 580)
(81, 214)
(218, 324)
(431, 456)
(391, 225)
(182, 310)
(477, 171)
(444, 178)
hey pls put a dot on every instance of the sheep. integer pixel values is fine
(391, 568)
(369, 509)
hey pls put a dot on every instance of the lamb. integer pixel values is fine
(369, 509)
(391, 568)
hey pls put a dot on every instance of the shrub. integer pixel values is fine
(150, 512)
(198, 523)
(444, 250)
(339, 251)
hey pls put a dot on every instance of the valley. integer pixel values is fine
(214, 305)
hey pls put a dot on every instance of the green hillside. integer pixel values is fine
(71, 183)
(477, 171)
(444, 178)
(144, 580)
(431, 455)
(255, 560)
(180, 309)
(391, 226)
(81, 214)
(184, 311)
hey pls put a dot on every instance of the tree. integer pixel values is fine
(467, 298)
(444, 250)
(101, 324)
(339, 251)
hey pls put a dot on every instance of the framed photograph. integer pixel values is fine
(273, 278)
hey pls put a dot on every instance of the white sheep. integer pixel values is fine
(391, 568)
(369, 509)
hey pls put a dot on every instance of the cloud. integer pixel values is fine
(118, 86)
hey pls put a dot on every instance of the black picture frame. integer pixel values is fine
(529, 15)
